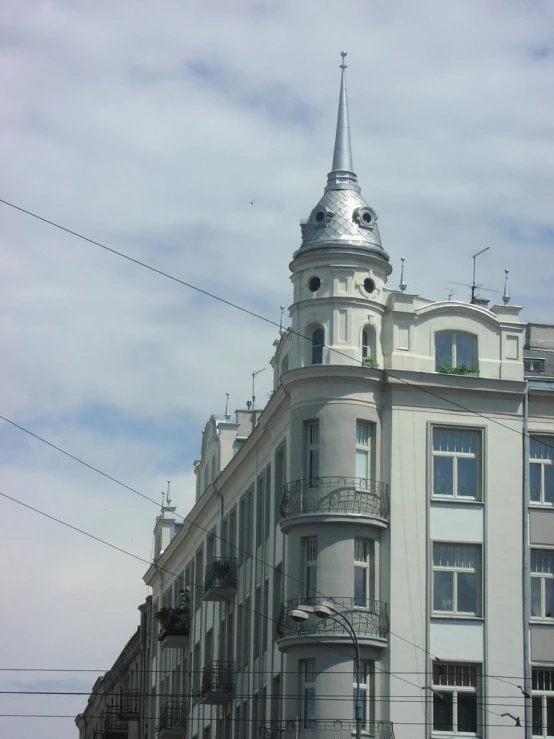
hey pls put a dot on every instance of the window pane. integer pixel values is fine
(467, 592)
(536, 596)
(360, 586)
(467, 477)
(548, 483)
(444, 591)
(314, 464)
(550, 716)
(535, 482)
(361, 464)
(443, 351)
(467, 712)
(443, 476)
(464, 351)
(317, 346)
(537, 714)
(362, 434)
(442, 712)
(549, 597)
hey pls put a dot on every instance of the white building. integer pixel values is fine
(385, 481)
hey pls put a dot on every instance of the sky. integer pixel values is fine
(150, 127)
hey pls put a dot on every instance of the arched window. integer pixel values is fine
(285, 364)
(456, 353)
(365, 344)
(317, 346)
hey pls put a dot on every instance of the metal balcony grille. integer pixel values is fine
(339, 495)
(370, 620)
(114, 726)
(326, 729)
(129, 703)
(173, 715)
(221, 574)
(218, 677)
(173, 621)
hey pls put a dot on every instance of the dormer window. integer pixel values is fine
(456, 353)
(317, 346)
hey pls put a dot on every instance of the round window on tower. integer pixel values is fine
(365, 217)
(314, 284)
(320, 216)
(369, 285)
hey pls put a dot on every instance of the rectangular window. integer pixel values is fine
(542, 583)
(267, 504)
(277, 595)
(199, 576)
(312, 452)
(197, 668)
(457, 463)
(249, 521)
(310, 568)
(455, 351)
(455, 697)
(276, 698)
(456, 578)
(361, 573)
(266, 615)
(246, 633)
(363, 431)
(257, 620)
(260, 505)
(541, 471)
(307, 690)
(543, 701)
(366, 690)
(233, 532)
(280, 478)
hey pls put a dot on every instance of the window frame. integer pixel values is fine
(310, 553)
(456, 455)
(367, 682)
(542, 702)
(448, 679)
(545, 578)
(456, 570)
(312, 453)
(545, 465)
(363, 565)
(317, 344)
(452, 362)
(307, 693)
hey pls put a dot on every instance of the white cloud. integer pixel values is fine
(151, 129)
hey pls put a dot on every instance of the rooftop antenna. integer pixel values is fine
(451, 292)
(506, 294)
(227, 412)
(403, 284)
(253, 386)
(168, 494)
(281, 326)
(473, 285)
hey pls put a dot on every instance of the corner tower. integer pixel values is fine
(340, 270)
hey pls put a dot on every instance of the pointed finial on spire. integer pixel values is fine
(163, 501)
(227, 411)
(168, 494)
(342, 176)
(403, 284)
(281, 326)
(506, 295)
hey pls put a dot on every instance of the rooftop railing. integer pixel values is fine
(338, 495)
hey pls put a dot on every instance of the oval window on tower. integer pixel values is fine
(369, 285)
(314, 284)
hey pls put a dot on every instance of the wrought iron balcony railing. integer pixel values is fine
(326, 729)
(175, 626)
(173, 718)
(114, 726)
(129, 704)
(218, 682)
(368, 619)
(220, 580)
(338, 495)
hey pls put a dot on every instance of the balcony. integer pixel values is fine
(218, 683)
(220, 582)
(326, 729)
(175, 626)
(173, 720)
(98, 734)
(370, 622)
(114, 726)
(129, 704)
(345, 497)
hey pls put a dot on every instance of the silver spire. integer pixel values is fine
(227, 411)
(506, 296)
(403, 284)
(342, 174)
(281, 323)
(342, 155)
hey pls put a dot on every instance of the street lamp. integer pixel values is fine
(326, 610)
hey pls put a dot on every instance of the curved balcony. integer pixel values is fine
(326, 729)
(369, 621)
(343, 497)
